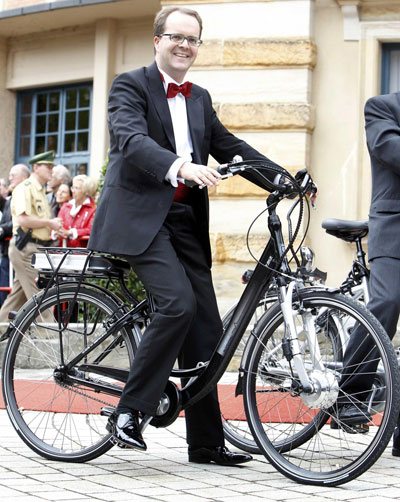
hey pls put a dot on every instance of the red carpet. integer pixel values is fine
(54, 398)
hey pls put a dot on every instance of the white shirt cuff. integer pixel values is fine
(172, 174)
(74, 234)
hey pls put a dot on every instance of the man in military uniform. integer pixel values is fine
(32, 224)
(18, 174)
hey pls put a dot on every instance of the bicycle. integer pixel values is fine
(290, 372)
(236, 429)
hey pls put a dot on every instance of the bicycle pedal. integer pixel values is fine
(115, 442)
(107, 411)
(350, 429)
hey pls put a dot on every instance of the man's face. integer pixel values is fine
(55, 180)
(176, 59)
(3, 189)
(15, 177)
(43, 172)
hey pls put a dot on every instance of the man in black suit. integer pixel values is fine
(162, 131)
(382, 124)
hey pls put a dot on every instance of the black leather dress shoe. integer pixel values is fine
(219, 455)
(351, 414)
(396, 443)
(125, 430)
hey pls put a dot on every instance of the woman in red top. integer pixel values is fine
(78, 213)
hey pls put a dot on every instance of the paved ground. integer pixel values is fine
(163, 474)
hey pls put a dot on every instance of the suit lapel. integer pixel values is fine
(195, 113)
(157, 95)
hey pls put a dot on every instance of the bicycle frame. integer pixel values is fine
(272, 259)
(273, 265)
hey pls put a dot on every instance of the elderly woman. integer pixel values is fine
(77, 214)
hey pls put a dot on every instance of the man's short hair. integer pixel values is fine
(23, 170)
(62, 173)
(162, 15)
(4, 182)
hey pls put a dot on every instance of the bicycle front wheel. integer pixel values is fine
(301, 432)
(57, 411)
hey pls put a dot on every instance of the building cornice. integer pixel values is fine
(63, 13)
(49, 6)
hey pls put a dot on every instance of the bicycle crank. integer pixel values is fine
(169, 407)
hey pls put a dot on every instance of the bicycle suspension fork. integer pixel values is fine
(290, 344)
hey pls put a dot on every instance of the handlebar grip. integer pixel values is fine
(191, 183)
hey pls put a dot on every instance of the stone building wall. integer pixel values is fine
(288, 76)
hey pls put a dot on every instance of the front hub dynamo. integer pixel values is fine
(325, 390)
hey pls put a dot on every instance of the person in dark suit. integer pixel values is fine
(162, 131)
(382, 125)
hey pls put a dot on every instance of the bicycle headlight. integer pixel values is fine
(307, 258)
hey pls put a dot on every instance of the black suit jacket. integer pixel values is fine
(6, 225)
(136, 198)
(382, 123)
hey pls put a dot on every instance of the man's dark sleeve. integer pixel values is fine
(128, 116)
(383, 132)
(6, 221)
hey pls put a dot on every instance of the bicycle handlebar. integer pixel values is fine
(301, 183)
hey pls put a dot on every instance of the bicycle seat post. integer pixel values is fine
(360, 252)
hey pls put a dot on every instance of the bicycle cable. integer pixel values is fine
(300, 200)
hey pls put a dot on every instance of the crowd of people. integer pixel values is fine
(39, 207)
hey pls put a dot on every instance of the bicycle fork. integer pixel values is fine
(319, 387)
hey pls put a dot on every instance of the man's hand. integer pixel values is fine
(202, 175)
(55, 223)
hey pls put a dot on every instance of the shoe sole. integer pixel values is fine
(119, 442)
(202, 460)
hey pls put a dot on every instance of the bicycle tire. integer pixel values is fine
(56, 419)
(322, 455)
(234, 421)
(235, 426)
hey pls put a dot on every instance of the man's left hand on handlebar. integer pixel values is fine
(202, 175)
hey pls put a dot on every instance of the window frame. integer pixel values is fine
(387, 49)
(68, 158)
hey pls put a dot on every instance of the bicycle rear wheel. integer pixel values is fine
(56, 416)
(301, 433)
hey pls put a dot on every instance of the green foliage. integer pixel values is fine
(133, 283)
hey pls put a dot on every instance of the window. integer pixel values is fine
(390, 68)
(55, 119)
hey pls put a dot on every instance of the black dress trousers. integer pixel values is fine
(185, 326)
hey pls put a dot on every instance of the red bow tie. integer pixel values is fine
(185, 89)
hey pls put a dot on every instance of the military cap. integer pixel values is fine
(43, 158)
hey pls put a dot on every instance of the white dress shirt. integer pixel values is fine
(183, 140)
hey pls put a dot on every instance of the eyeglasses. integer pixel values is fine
(177, 38)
